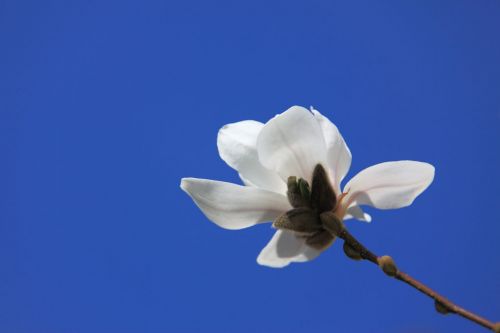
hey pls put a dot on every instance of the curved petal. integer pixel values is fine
(237, 144)
(389, 185)
(355, 212)
(338, 154)
(284, 248)
(292, 144)
(232, 206)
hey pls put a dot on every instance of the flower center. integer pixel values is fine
(308, 203)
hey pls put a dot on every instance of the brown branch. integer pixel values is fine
(443, 305)
(447, 304)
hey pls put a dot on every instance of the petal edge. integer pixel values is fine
(285, 248)
(232, 206)
(237, 145)
(389, 185)
(292, 144)
(339, 156)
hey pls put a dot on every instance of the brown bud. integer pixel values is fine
(496, 327)
(388, 265)
(331, 223)
(441, 308)
(296, 191)
(323, 197)
(320, 240)
(301, 220)
(291, 181)
(351, 252)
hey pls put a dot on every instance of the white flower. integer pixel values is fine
(292, 144)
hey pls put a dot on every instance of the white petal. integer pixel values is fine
(355, 212)
(237, 144)
(285, 248)
(338, 155)
(292, 144)
(234, 206)
(389, 185)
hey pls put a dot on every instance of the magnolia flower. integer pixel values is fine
(277, 161)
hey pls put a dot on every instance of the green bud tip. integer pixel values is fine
(297, 192)
(304, 189)
(388, 265)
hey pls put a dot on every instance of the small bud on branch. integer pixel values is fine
(441, 308)
(351, 252)
(388, 266)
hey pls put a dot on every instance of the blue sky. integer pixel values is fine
(105, 105)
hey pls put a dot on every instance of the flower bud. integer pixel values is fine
(301, 220)
(331, 223)
(323, 196)
(351, 252)
(295, 192)
(291, 181)
(320, 240)
(305, 193)
(496, 327)
(388, 266)
(441, 308)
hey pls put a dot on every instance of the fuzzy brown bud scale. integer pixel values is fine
(332, 223)
(301, 220)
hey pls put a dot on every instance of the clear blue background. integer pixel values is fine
(105, 105)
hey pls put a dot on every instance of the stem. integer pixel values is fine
(402, 276)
